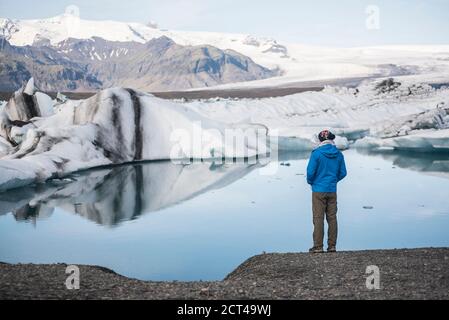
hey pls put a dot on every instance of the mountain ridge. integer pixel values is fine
(92, 64)
(295, 62)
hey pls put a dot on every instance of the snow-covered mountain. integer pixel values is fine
(297, 62)
(63, 27)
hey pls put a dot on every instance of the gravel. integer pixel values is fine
(404, 274)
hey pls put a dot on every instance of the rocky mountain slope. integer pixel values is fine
(56, 71)
(92, 64)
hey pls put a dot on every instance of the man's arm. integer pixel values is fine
(312, 168)
(342, 173)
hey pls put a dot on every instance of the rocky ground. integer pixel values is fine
(404, 274)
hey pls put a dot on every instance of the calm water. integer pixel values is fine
(161, 221)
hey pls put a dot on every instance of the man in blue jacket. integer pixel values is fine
(325, 169)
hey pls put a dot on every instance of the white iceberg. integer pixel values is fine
(115, 126)
(418, 140)
(378, 109)
(426, 131)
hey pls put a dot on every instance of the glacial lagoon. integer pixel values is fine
(166, 221)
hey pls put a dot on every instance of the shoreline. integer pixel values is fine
(251, 93)
(256, 92)
(404, 274)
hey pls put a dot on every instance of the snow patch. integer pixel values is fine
(420, 140)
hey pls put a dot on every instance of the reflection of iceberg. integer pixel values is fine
(436, 164)
(123, 193)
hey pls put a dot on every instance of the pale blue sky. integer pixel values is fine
(325, 22)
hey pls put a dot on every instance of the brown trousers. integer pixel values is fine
(324, 204)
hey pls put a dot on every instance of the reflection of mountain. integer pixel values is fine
(111, 196)
(436, 164)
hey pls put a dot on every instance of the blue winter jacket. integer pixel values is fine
(326, 168)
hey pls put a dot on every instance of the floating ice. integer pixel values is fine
(39, 141)
(113, 127)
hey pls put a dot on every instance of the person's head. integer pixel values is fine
(326, 135)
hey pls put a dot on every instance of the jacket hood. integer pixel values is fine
(328, 150)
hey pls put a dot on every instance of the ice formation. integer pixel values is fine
(113, 127)
(42, 139)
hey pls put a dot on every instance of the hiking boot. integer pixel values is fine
(331, 249)
(316, 250)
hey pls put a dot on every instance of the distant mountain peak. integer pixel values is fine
(40, 40)
(163, 40)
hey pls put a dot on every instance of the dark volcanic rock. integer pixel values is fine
(404, 274)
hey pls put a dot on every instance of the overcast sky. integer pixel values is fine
(324, 22)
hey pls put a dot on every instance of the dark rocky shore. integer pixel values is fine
(404, 274)
(236, 93)
(251, 93)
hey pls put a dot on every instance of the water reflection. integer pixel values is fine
(113, 195)
(426, 162)
(110, 196)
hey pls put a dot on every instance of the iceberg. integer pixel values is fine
(115, 126)
(27, 103)
(419, 140)
(367, 115)
(427, 131)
